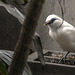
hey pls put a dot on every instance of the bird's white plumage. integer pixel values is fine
(52, 16)
(62, 32)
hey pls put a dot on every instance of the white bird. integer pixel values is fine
(62, 32)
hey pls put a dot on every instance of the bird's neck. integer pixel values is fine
(51, 30)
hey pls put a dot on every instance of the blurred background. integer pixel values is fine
(10, 26)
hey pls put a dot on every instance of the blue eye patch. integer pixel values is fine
(52, 20)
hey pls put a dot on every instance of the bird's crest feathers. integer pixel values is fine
(52, 16)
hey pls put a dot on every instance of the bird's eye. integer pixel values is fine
(52, 20)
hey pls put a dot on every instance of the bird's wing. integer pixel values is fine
(66, 38)
(69, 33)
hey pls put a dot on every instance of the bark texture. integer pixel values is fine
(26, 35)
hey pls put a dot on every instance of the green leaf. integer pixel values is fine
(4, 1)
(2, 68)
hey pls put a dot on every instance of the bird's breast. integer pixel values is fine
(66, 44)
(65, 37)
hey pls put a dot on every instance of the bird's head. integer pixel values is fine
(53, 20)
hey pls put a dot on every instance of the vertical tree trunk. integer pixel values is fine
(28, 29)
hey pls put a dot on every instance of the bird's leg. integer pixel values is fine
(64, 57)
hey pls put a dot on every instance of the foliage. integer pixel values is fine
(2, 69)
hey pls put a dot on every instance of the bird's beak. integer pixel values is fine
(45, 23)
